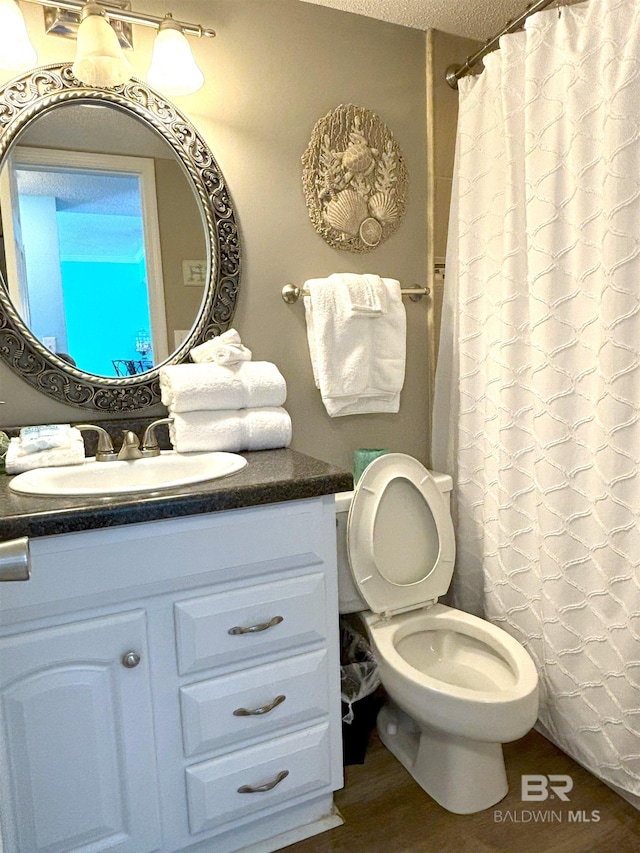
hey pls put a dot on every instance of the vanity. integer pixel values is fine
(169, 669)
(169, 674)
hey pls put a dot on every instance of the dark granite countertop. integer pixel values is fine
(271, 476)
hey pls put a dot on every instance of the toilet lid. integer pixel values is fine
(400, 536)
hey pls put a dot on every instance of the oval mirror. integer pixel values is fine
(119, 248)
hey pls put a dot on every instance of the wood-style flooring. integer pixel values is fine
(385, 811)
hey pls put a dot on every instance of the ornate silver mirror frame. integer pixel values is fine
(21, 101)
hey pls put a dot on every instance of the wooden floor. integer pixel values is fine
(385, 811)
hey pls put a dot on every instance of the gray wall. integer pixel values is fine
(276, 67)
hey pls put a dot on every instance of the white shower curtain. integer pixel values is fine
(537, 407)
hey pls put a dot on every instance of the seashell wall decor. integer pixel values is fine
(354, 179)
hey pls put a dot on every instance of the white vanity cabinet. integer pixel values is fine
(173, 685)
(79, 734)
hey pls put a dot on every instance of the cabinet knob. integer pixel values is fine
(130, 660)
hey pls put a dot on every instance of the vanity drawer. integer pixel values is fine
(212, 631)
(213, 798)
(288, 693)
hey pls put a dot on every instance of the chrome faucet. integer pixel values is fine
(105, 451)
(150, 446)
(130, 446)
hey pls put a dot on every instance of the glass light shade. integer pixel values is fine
(99, 58)
(173, 69)
(16, 51)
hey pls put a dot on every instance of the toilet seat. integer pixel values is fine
(400, 537)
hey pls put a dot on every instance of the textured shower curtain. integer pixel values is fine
(537, 408)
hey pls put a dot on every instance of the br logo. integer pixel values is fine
(538, 787)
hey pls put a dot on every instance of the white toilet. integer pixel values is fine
(459, 686)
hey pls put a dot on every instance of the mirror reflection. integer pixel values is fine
(104, 244)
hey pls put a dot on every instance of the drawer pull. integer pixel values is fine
(260, 789)
(253, 629)
(256, 712)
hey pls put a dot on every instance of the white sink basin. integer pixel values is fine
(166, 471)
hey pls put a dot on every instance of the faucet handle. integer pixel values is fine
(150, 446)
(105, 451)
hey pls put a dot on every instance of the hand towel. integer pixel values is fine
(249, 429)
(215, 387)
(362, 294)
(70, 453)
(358, 361)
(226, 348)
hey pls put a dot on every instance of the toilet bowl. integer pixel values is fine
(459, 687)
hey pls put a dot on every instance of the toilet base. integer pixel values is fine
(462, 775)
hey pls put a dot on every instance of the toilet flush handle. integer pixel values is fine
(15, 560)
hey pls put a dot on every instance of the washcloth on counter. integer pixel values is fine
(70, 453)
(358, 359)
(226, 348)
(216, 387)
(248, 429)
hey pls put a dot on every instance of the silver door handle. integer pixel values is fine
(256, 712)
(253, 629)
(15, 560)
(260, 789)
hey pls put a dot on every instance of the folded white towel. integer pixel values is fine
(70, 453)
(249, 429)
(226, 348)
(358, 360)
(214, 387)
(362, 294)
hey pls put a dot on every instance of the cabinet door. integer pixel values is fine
(78, 738)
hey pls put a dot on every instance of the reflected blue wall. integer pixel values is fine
(105, 305)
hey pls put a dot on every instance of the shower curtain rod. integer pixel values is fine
(455, 72)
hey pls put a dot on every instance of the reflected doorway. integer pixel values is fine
(86, 276)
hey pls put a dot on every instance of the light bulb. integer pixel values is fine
(173, 69)
(99, 58)
(16, 51)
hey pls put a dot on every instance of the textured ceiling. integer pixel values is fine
(477, 19)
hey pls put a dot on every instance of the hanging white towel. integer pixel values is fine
(193, 387)
(358, 360)
(362, 294)
(226, 348)
(249, 429)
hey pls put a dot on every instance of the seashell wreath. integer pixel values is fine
(354, 179)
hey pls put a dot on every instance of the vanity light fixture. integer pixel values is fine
(99, 58)
(173, 69)
(16, 51)
(100, 61)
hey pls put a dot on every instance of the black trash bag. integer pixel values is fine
(360, 691)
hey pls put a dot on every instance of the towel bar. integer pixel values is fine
(291, 293)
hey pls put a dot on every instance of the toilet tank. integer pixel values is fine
(349, 597)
